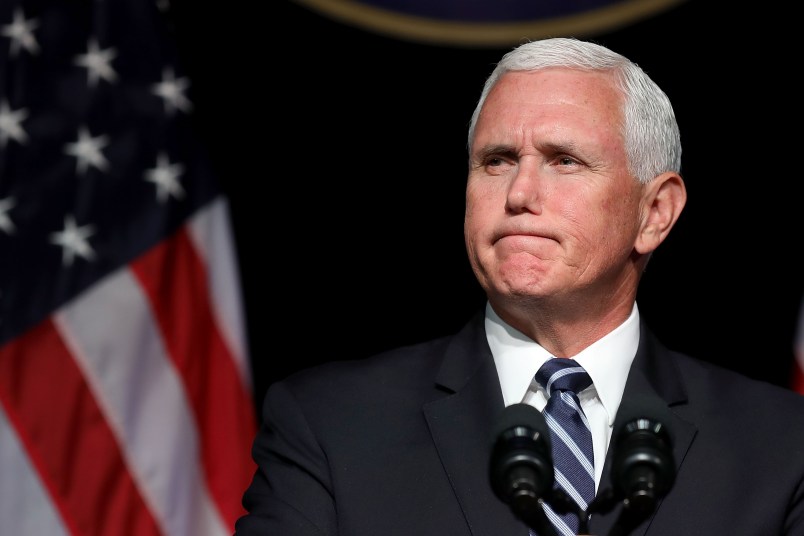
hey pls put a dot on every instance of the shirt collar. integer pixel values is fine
(607, 360)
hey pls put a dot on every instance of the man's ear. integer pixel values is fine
(663, 200)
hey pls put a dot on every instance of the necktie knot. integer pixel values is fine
(559, 374)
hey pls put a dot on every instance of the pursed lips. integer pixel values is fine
(522, 235)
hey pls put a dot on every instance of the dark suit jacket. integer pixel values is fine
(399, 445)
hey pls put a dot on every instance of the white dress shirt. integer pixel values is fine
(517, 358)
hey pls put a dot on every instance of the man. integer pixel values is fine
(574, 180)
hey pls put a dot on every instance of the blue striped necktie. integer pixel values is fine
(571, 437)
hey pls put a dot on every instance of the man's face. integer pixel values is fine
(551, 209)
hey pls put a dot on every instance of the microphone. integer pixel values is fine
(643, 469)
(521, 464)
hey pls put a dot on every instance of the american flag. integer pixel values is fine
(126, 403)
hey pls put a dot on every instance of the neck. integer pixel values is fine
(563, 331)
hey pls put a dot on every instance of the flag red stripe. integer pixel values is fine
(174, 279)
(48, 401)
(797, 382)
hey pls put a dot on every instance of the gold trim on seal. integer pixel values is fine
(428, 30)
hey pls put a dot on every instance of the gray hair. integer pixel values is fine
(650, 131)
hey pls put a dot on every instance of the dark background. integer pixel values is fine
(343, 154)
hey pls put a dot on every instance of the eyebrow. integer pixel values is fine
(500, 149)
(566, 147)
(550, 148)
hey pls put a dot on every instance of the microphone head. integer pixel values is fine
(643, 468)
(521, 464)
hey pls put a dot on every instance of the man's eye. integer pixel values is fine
(498, 165)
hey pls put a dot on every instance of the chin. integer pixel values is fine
(520, 290)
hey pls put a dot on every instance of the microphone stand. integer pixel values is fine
(528, 507)
(526, 503)
(535, 518)
(634, 510)
(561, 503)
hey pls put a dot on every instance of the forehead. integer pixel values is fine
(560, 83)
(523, 100)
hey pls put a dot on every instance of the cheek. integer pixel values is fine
(617, 224)
(596, 229)
(470, 216)
(478, 224)
(478, 201)
(621, 202)
(472, 223)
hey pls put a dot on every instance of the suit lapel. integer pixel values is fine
(461, 424)
(653, 374)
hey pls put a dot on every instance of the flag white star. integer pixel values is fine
(166, 177)
(172, 89)
(98, 63)
(10, 127)
(20, 31)
(6, 225)
(87, 151)
(73, 240)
